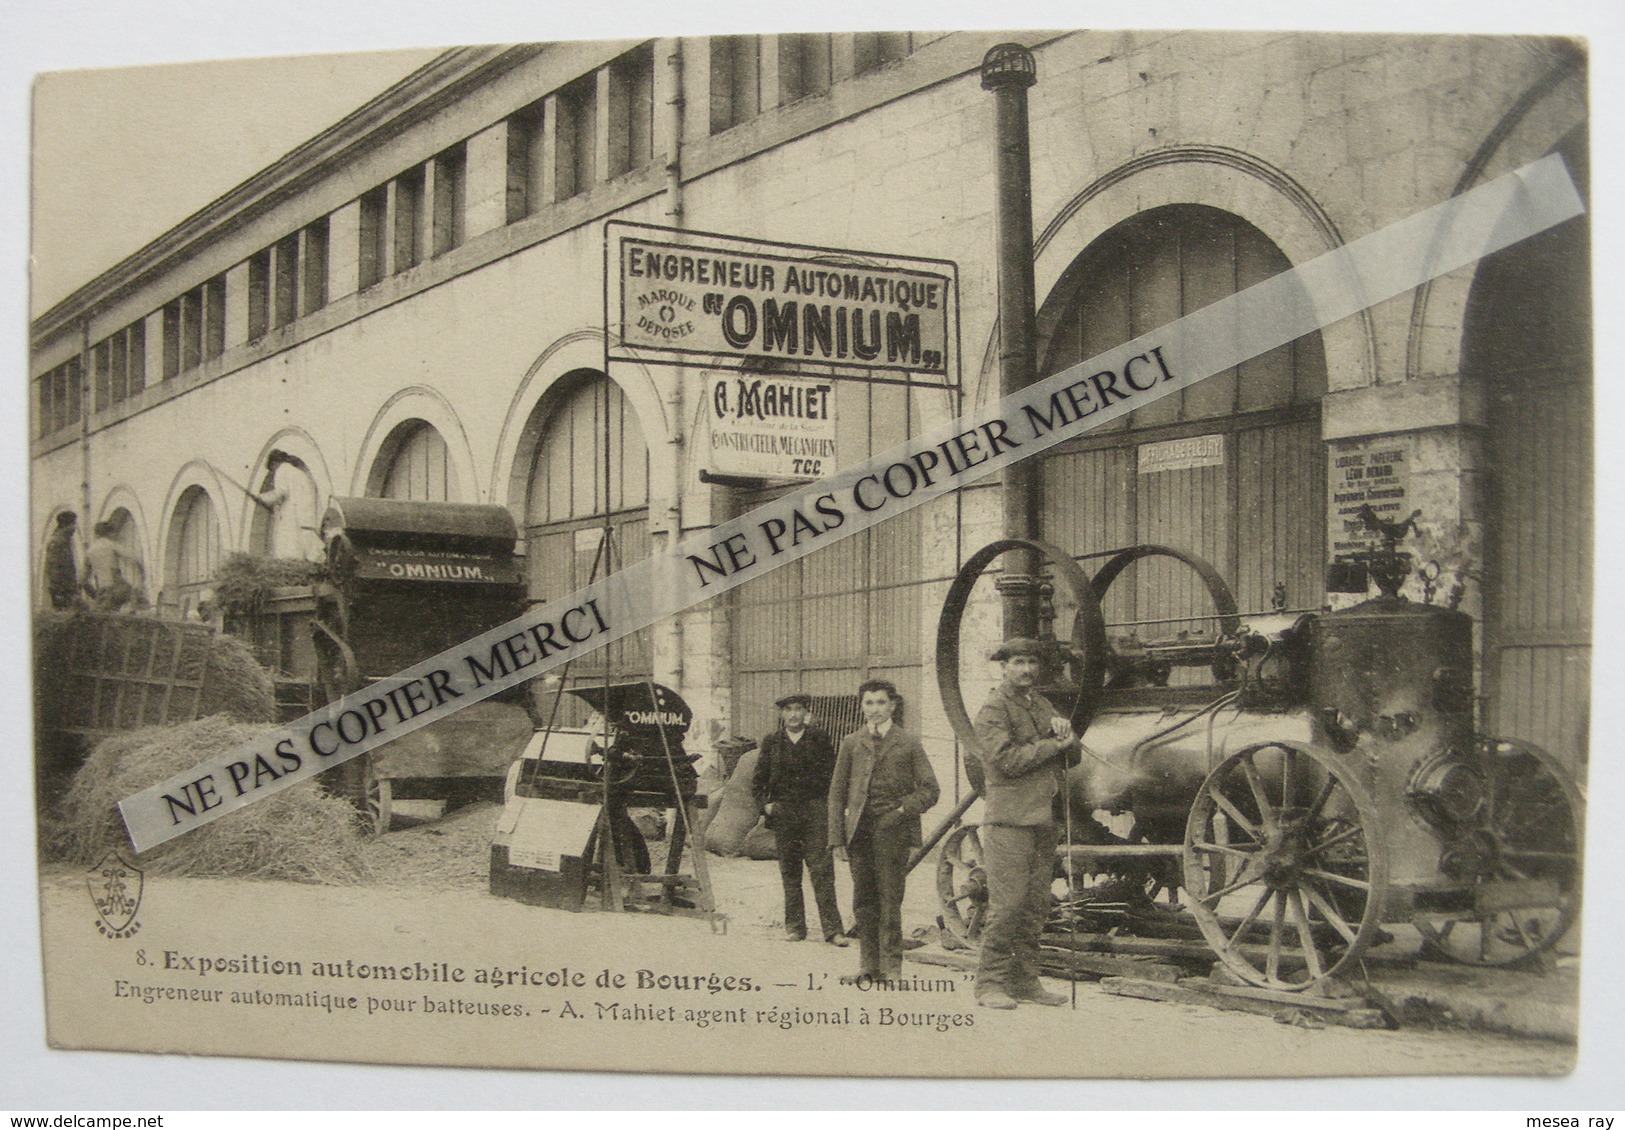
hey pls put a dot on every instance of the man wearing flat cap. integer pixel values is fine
(792, 786)
(1026, 746)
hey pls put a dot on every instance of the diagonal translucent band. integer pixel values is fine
(1325, 290)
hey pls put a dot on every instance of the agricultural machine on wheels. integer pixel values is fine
(1322, 784)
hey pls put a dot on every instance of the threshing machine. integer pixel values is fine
(407, 580)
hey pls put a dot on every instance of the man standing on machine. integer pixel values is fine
(1026, 745)
(791, 784)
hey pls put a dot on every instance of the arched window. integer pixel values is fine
(1232, 469)
(568, 493)
(194, 551)
(414, 465)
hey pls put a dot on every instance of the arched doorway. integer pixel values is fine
(569, 491)
(1231, 469)
(414, 464)
(1527, 343)
(193, 552)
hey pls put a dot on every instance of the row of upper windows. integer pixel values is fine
(806, 64)
(422, 212)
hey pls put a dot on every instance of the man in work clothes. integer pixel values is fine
(61, 567)
(105, 560)
(792, 786)
(882, 784)
(1026, 744)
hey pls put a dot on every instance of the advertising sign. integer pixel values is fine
(770, 427)
(1371, 473)
(404, 564)
(678, 294)
(1181, 454)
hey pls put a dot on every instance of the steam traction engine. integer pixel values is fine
(1324, 783)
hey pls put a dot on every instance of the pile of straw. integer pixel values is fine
(243, 581)
(302, 834)
(235, 684)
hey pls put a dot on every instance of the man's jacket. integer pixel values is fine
(1022, 759)
(790, 772)
(885, 776)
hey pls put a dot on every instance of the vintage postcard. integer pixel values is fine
(999, 554)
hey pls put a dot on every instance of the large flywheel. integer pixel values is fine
(1087, 652)
(961, 876)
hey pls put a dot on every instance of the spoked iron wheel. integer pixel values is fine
(1282, 873)
(962, 884)
(1527, 841)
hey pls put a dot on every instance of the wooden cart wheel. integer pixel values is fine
(962, 884)
(1527, 847)
(1281, 873)
(380, 799)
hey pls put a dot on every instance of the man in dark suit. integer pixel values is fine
(792, 786)
(1026, 745)
(882, 784)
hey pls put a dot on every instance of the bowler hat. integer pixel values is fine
(1017, 645)
(797, 699)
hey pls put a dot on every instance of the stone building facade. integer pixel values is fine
(411, 305)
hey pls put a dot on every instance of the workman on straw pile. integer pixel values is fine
(791, 784)
(110, 590)
(882, 784)
(1026, 745)
(61, 567)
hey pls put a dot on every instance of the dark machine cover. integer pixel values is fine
(638, 706)
(388, 539)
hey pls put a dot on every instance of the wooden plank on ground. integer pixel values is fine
(1304, 1009)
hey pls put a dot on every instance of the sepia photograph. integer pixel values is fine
(952, 554)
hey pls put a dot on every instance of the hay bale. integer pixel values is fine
(302, 834)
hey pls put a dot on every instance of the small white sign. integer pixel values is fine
(587, 539)
(1182, 454)
(770, 427)
(548, 830)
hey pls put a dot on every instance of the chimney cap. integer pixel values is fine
(1008, 64)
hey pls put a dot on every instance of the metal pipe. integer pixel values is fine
(1008, 70)
(86, 406)
(673, 51)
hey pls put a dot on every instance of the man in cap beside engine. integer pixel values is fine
(1026, 745)
(791, 784)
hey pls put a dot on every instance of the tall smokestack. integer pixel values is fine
(1008, 70)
